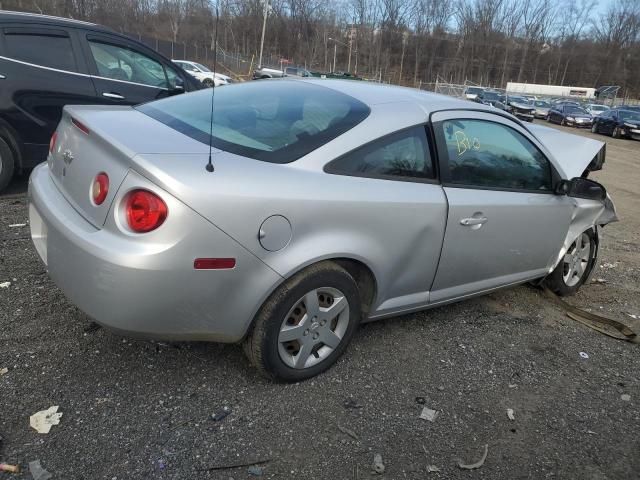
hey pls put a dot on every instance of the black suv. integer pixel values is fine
(48, 62)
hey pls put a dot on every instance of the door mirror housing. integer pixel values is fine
(581, 188)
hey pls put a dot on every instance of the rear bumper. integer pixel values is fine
(144, 285)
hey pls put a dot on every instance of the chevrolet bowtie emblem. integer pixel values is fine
(67, 156)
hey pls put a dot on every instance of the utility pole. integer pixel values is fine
(264, 27)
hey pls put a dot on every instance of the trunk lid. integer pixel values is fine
(115, 135)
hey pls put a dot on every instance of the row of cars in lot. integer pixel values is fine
(622, 121)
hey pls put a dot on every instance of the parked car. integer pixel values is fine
(203, 74)
(48, 62)
(297, 72)
(149, 233)
(471, 93)
(519, 107)
(628, 107)
(491, 97)
(542, 108)
(595, 109)
(570, 115)
(265, 72)
(618, 123)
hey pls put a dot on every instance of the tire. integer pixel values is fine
(562, 281)
(286, 311)
(7, 164)
(594, 128)
(563, 122)
(616, 133)
(207, 82)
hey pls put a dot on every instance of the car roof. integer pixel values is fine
(371, 94)
(26, 17)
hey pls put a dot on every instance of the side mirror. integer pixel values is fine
(581, 188)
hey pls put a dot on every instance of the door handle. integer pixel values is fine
(117, 96)
(469, 222)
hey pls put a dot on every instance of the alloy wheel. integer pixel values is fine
(313, 328)
(576, 260)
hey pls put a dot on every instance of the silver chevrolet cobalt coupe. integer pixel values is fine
(324, 204)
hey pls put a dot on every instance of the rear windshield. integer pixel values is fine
(572, 109)
(275, 121)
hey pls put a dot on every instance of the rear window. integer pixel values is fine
(275, 121)
(47, 48)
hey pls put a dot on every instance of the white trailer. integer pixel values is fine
(551, 90)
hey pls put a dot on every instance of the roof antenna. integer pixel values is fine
(209, 166)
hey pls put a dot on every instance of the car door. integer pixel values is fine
(41, 70)
(124, 73)
(602, 122)
(504, 225)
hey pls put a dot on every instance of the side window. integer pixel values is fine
(50, 49)
(121, 63)
(402, 154)
(487, 154)
(173, 78)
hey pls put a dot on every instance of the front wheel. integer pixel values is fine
(574, 268)
(207, 82)
(616, 133)
(306, 324)
(594, 128)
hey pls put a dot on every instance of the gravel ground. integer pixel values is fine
(136, 409)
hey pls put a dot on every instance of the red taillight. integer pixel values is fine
(52, 142)
(145, 211)
(81, 126)
(100, 188)
(214, 263)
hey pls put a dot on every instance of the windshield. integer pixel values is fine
(599, 108)
(542, 104)
(513, 98)
(628, 116)
(491, 96)
(201, 67)
(473, 90)
(574, 110)
(276, 121)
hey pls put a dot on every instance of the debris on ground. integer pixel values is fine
(255, 470)
(221, 414)
(17, 225)
(432, 469)
(428, 414)
(599, 280)
(584, 355)
(511, 414)
(378, 466)
(37, 472)
(351, 404)
(421, 400)
(478, 464)
(609, 265)
(5, 467)
(625, 397)
(5, 284)
(43, 421)
(633, 315)
(235, 465)
(3, 371)
(349, 432)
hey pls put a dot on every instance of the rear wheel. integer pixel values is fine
(617, 133)
(306, 324)
(594, 128)
(7, 164)
(563, 122)
(207, 82)
(575, 266)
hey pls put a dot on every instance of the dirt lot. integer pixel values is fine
(135, 409)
